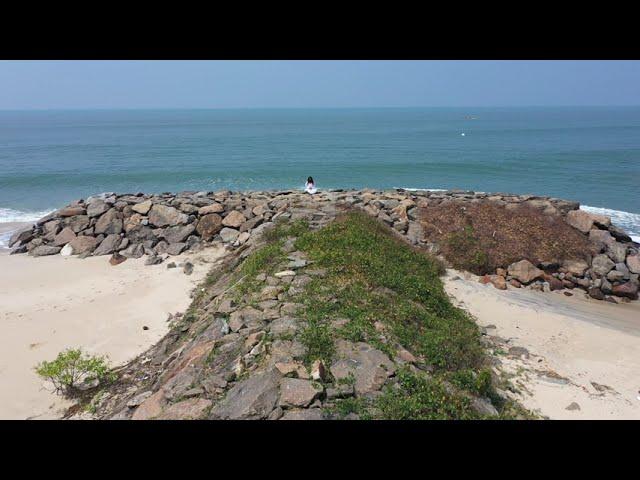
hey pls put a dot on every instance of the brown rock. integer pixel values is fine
(209, 225)
(595, 292)
(71, 211)
(213, 208)
(584, 221)
(295, 392)
(499, 282)
(515, 283)
(151, 407)
(64, 237)
(83, 244)
(143, 207)
(633, 262)
(575, 267)
(628, 290)
(117, 259)
(191, 409)
(554, 283)
(524, 271)
(234, 219)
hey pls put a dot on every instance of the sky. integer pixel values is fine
(303, 84)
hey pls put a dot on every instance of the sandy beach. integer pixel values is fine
(51, 303)
(583, 355)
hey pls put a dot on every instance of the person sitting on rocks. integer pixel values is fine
(310, 186)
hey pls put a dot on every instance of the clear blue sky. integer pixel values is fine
(245, 84)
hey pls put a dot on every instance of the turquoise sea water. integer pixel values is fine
(592, 155)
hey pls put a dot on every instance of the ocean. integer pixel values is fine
(587, 154)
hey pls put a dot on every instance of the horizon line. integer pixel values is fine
(38, 109)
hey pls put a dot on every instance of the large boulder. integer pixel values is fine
(524, 271)
(21, 236)
(83, 244)
(142, 208)
(209, 225)
(97, 208)
(110, 222)
(42, 250)
(633, 262)
(71, 211)
(228, 235)
(64, 237)
(617, 252)
(584, 221)
(575, 267)
(213, 208)
(251, 399)
(78, 223)
(628, 290)
(370, 367)
(108, 245)
(190, 409)
(296, 392)
(601, 265)
(600, 238)
(178, 233)
(234, 219)
(163, 216)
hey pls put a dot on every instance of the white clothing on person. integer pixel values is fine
(310, 188)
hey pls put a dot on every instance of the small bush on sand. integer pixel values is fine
(72, 370)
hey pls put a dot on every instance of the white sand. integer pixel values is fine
(582, 340)
(51, 303)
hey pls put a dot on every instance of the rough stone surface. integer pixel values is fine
(252, 398)
(162, 216)
(295, 392)
(209, 225)
(370, 366)
(524, 271)
(234, 219)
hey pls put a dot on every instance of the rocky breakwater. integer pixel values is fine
(133, 225)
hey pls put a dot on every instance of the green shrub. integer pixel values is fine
(72, 369)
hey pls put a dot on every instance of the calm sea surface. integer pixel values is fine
(591, 155)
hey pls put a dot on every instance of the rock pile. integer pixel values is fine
(133, 225)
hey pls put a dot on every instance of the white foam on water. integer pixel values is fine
(9, 215)
(629, 222)
(423, 189)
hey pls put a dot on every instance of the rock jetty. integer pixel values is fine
(164, 225)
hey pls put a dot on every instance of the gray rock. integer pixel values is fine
(178, 233)
(21, 236)
(369, 366)
(176, 248)
(110, 222)
(601, 265)
(163, 216)
(304, 414)
(250, 399)
(187, 268)
(78, 223)
(42, 250)
(229, 235)
(133, 251)
(415, 232)
(108, 245)
(97, 208)
(283, 326)
(153, 260)
(617, 252)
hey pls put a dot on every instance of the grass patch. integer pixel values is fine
(372, 276)
(420, 398)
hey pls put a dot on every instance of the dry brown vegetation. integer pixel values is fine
(484, 236)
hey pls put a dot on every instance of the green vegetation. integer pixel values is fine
(72, 369)
(374, 277)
